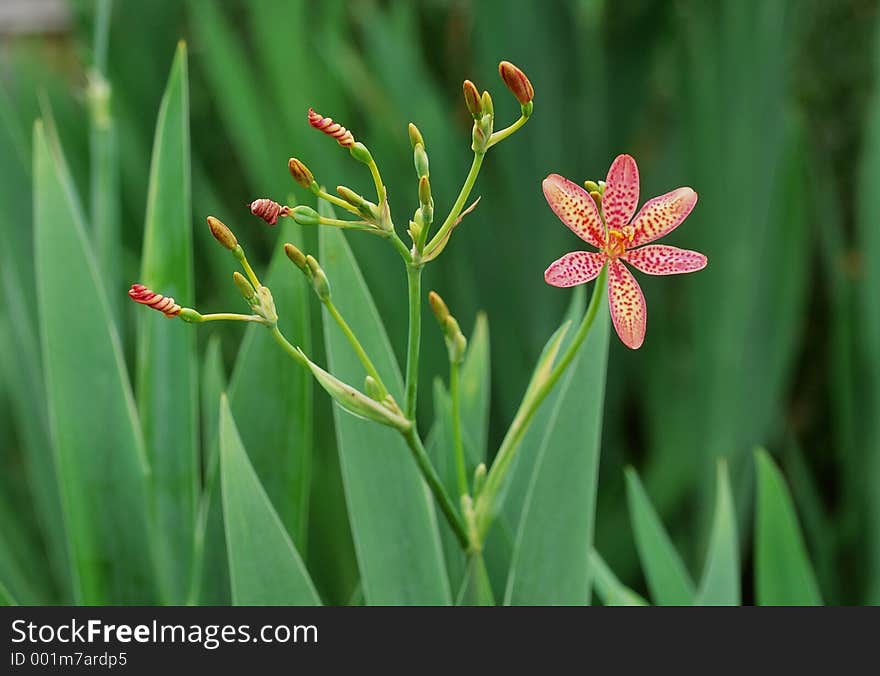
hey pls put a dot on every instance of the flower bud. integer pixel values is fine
(439, 308)
(420, 157)
(351, 196)
(425, 199)
(371, 387)
(296, 257)
(360, 153)
(479, 479)
(164, 304)
(222, 234)
(305, 215)
(319, 280)
(597, 198)
(456, 343)
(516, 82)
(591, 186)
(300, 173)
(415, 136)
(333, 129)
(487, 105)
(472, 99)
(244, 286)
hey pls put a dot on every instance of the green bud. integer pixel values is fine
(371, 387)
(456, 343)
(297, 257)
(597, 197)
(415, 136)
(305, 215)
(319, 280)
(356, 402)
(360, 153)
(416, 225)
(591, 186)
(244, 286)
(486, 103)
(420, 158)
(426, 200)
(350, 196)
(439, 308)
(479, 478)
(190, 316)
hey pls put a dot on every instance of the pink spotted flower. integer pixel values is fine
(619, 237)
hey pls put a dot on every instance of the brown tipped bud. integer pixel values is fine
(439, 308)
(164, 304)
(334, 129)
(415, 136)
(221, 233)
(300, 172)
(297, 257)
(516, 82)
(268, 210)
(244, 286)
(472, 99)
(350, 196)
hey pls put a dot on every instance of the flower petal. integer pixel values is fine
(661, 215)
(627, 303)
(621, 194)
(577, 267)
(659, 259)
(574, 207)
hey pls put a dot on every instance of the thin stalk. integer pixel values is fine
(238, 252)
(381, 195)
(230, 316)
(457, 443)
(436, 486)
(459, 202)
(524, 416)
(502, 134)
(356, 345)
(338, 201)
(288, 348)
(414, 283)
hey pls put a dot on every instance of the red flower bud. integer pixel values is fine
(516, 82)
(164, 304)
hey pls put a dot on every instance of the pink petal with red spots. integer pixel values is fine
(578, 267)
(574, 207)
(621, 194)
(662, 215)
(627, 304)
(658, 259)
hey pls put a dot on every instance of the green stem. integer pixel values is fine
(436, 486)
(230, 316)
(400, 246)
(454, 213)
(377, 179)
(486, 507)
(238, 252)
(457, 443)
(338, 201)
(502, 134)
(356, 345)
(289, 349)
(414, 283)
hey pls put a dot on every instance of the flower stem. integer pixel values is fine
(230, 316)
(449, 223)
(458, 445)
(238, 252)
(436, 486)
(486, 508)
(355, 344)
(288, 348)
(502, 134)
(377, 179)
(414, 283)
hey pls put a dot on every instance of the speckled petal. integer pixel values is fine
(621, 196)
(662, 215)
(574, 207)
(627, 303)
(658, 259)
(577, 267)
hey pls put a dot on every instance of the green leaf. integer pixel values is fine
(476, 588)
(391, 512)
(475, 388)
(271, 395)
(6, 599)
(102, 467)
(264, 566)
(210, 585)
(610, 590)
(720, 585)
(783, 573)
(667, 577)
(167, 380)
(550, 558)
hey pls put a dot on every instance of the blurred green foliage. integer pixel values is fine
(768, 108)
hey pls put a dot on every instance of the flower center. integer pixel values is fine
(616, 241)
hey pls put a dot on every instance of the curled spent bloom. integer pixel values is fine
(517, 82)
(164, 304)
(328, 126)
(620, 237)
(268, 210)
